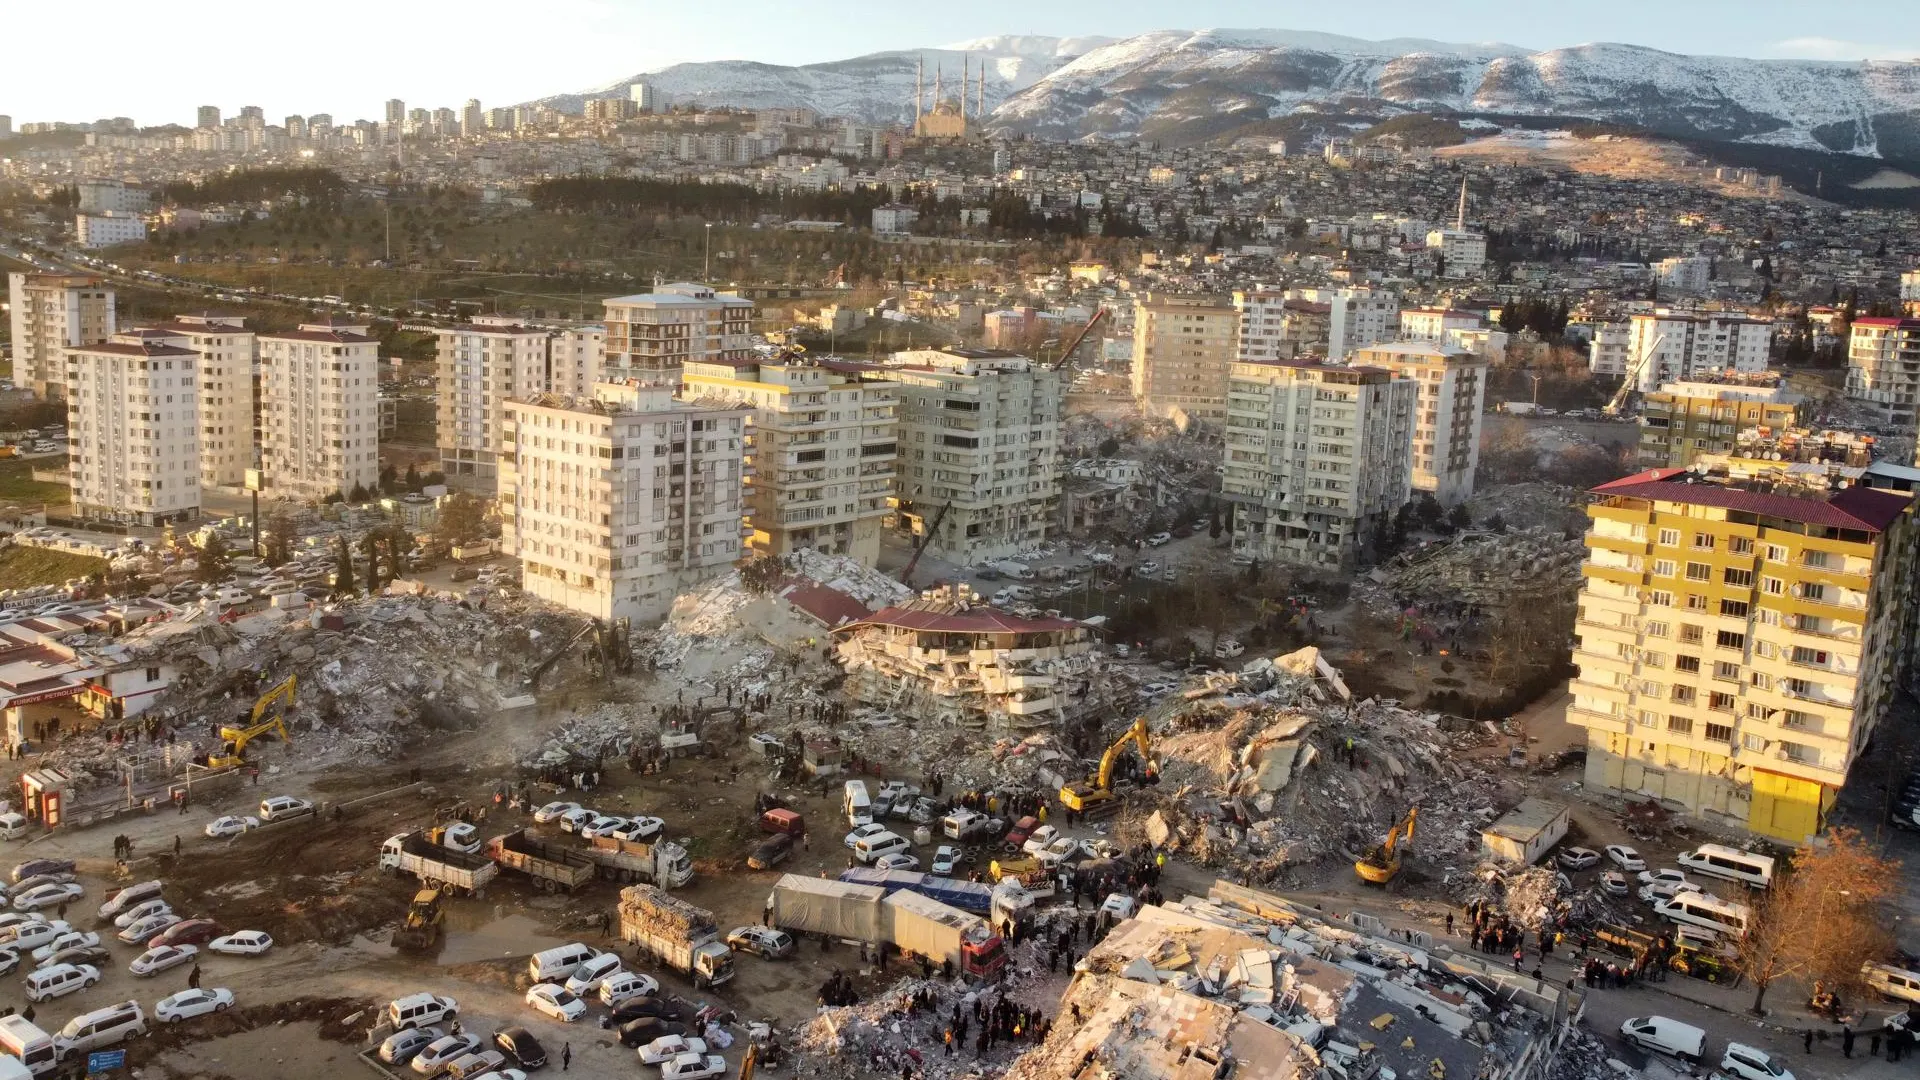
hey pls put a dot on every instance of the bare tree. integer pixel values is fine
(1823, 920)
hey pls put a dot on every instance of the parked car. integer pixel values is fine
(159, 959)
(624, 985)
(146, 928)
(281, 807)
(43, 896)
(95, 955)
(69, 940)
(693, 1067)
(402, 1046)
(1614, 883)
(639, 829)
(863, 832)
(1752, 1063)
(244, 943)
(636, 1008)
(771, 852)
(29, 936)
(899, 860)
(1626, 858)
(553, 811)
(946, 860)
(576, 819)
(670, 1046)
(146, 909)
(1158, 539)
(187, 932)
(601, 825)
(224, 828)
(519, 1044)
(1579, 858)
(554, 1001)
(761, 940)
(442, 1052)
(188, 1004)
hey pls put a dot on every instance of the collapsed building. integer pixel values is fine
(946, 658)
(1248, 984)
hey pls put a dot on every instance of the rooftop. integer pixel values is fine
(1854, 508)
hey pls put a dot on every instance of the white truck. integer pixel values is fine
(662, 862)
(675, 933)
(915, 923)
(412, 853)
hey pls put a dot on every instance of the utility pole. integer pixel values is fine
(706, 270)
(1536, 386)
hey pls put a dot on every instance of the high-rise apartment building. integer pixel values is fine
(1459, 253)
(1182, 348)
(396, 114)
(1318, 459)
(1683, 274)
(473, 121)
(51, 313)
(1740, 638)
(1711, 415)
(226, 350)
(1276, 325)
(481, 365)
(1446, 415)
(1910, 286)
(651, 335)
(320, 409)
(979, 438)
(446, 123)
(579, 357)
(1883, 366)
(1435, 324)
(252, 116)
(132, 421)
(644, 97)
(1669, 345)
(1607, 353)
(208, 117)
(821, 448)
(613, 504)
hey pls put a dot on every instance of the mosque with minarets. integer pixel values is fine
(947, 120)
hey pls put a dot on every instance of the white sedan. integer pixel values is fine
(160, 958)
(144, 910)
(1626, 858)
(146, 928)
(244, 943)
(72, 939)
(230, 826)
(667, 1047)
(640, 828)
(188, 1004)
(602, 825)
(552, 812)
(864, 831)
(41, 896)
(556, 1002)
(34, 934)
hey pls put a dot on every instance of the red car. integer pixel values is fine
(190, 932)
(1021, 830)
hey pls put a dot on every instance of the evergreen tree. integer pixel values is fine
(343, 570)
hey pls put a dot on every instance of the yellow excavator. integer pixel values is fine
(273, 705)
(1380, 865)
(1095, 795)
(422, 926)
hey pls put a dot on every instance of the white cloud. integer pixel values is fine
(1825, 48)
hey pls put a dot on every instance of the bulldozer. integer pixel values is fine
(421, 929)
(273, 705)
(1382, 864)
(1095, 795)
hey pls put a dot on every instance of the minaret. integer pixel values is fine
(919, 86)
(1460, 215)
(966, 68)
(980, 92)
(937, 99)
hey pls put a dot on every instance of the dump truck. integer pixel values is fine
(663, 862)
(914, 923)
(675, 933)
(553, 867)
(412, 853)
(421, 929)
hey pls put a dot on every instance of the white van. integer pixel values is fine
(1889, 981)
(232, 597)
(873, 847)
(858, 806)
(587, 977)
(1706, 910)
(555, 965)
(1667, 1036)
(46, 983)
(13, 826)
(1731, 864)
(101, 1027)
(21, 1039)
(130, 897)
(420, 1010)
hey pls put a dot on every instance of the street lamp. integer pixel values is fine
(706, 270)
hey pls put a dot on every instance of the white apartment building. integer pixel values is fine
(1355, 319)
(481, 365)
(1883, 366)
(650, 335)
(106, 230)
(979, 437)
(578, 356)
(1276, 325)
(615, 503)
(51, 313)
(1910, 286)
(132, 417)
(319, 410)
(1435, 324)
(227, 407)
(1318, 459)
(1607, 353)
(1683, 344)
(1446, 427)
(112, 197)
(1463, 254)
(821, 448)
(1182, 348)
(1686, 274)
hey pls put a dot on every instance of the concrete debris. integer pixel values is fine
(1534, 505)
(1488, 570)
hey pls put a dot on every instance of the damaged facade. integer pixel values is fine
(944, 658)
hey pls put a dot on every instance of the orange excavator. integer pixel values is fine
(1380, 865)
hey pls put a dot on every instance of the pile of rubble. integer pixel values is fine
(1489, 570)
(1272, 768)
(1534, 505)
(888, 1033)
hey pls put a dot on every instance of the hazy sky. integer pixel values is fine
(155, 61)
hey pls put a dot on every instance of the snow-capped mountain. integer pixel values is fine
(1187, 86)
(877, 87)
(1190, 86)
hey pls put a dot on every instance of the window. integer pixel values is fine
(1753, 742)
(1734, 608)
(1724, 670)
(1680, 725)
(1741, 578)
(1813, 590)
(1663, 567)
(1684, 695)
(1814, 558)
(1803, 655)
(1776, 553)
(1660, 598)
(1691, 635)
(1658, 629)
(1761, 680)
(1689, 664)
(1797, 687)
(1719, 733)
(1703, 541)
(1696, 602)
(1728, 639)
(1670, 537)
(1654, 659)
(1773, 586)
(1719, 702)
(1766, 649)
(1699, 571)
(1649, 718)
(1740, 545)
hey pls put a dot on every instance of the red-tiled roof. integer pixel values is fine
(830, 606)
(974, 621)
(1860, 508)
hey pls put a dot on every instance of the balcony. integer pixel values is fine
(1596, 721)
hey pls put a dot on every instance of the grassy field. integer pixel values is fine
(18, 485)
(21, 567)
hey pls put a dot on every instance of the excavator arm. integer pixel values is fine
(919, 549)
(1137, 735)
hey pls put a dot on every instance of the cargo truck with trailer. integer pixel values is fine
(553, 867)
(412, 853)
(676, 934)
